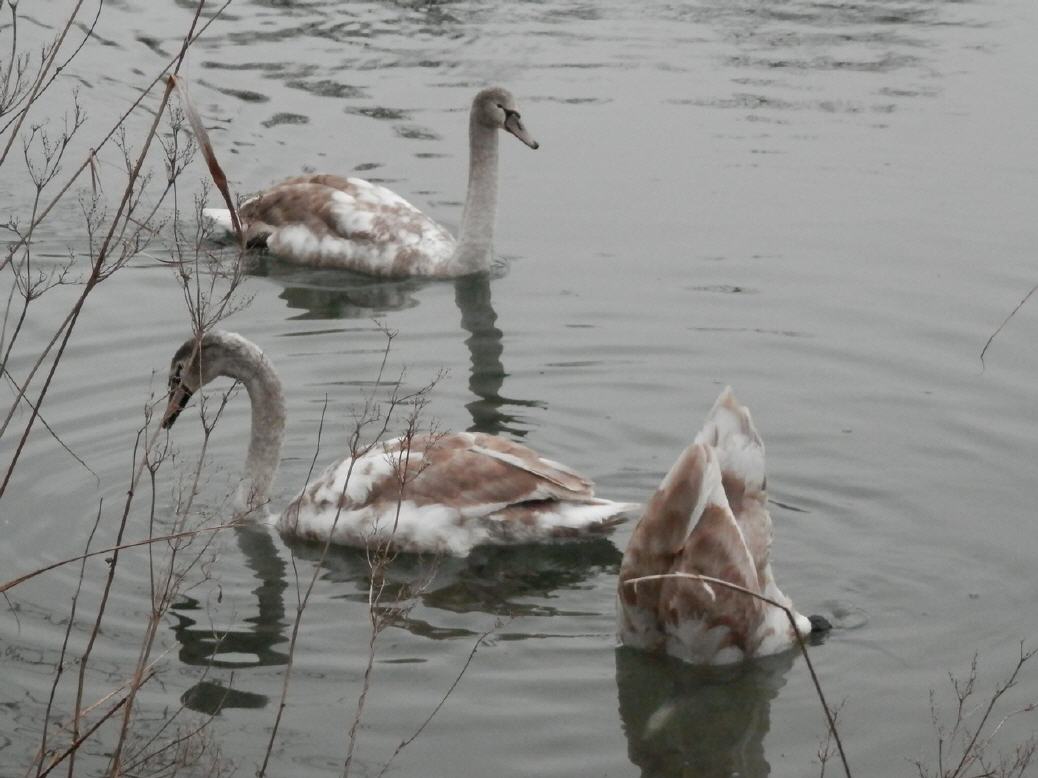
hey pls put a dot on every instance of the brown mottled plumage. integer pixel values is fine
(348, 223)
(426, 493)
(447, 493)
(708, 517)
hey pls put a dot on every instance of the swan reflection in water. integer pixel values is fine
(495, 580)
(262, 643)
(335, 294)
(326, 294)
(697, 722)
(487, 376)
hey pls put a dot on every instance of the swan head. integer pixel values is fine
(200, 360)
(497, 109)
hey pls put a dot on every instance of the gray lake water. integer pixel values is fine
(827, 205)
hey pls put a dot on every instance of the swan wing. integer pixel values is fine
(688, 527)
(486, 476)
(447, 492)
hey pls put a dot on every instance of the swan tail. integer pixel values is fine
(538, 520)
(730, 431)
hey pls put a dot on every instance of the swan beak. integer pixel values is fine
(514, 125)
(178, 398)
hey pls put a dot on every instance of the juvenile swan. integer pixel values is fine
(708, 517)
(461, 489)
(352, 224)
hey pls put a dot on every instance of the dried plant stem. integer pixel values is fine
(357, 450)
(96, 629)
(1005, 321)
(60, 668)
(450, 690)
(91, 282)
(53, 434)
(99, 261)
(175, 63)
(303, 600)
(120, 547)
(138, 762)
(375, 588)
(975, 739)
(40, 81)
(792, 622)
(170, 583)
(80, 739)
(112, 242)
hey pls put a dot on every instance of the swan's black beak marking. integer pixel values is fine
(178, 398)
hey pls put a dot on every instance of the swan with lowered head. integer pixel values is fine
(352, 224)
(708, 517)
(439, 493)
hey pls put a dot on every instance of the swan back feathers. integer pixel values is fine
(330, 221)
(447, 493)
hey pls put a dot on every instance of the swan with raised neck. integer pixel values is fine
(348, 223)
(459, 489)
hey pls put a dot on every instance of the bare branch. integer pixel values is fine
(1005, 321)
(450, 689)
(792, 622)
(115, 549)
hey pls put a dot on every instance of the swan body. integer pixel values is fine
(424, 493)
(708, 517)
(349, 223)
(461, 490)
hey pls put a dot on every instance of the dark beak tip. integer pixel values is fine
(535, 145)
(169, 417)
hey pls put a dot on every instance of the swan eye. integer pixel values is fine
(508, 111)
(174, 377)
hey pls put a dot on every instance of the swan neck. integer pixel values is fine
(261, 382)
(475, 242)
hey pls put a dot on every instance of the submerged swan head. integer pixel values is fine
(495, 108)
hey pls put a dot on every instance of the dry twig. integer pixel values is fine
(829, 716)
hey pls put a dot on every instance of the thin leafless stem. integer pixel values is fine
(120, 122)
(102, 254)
(115, 549)
(1005, 321)
(450, 690)
(60, 667)
(71, 750)
(39, 85)
(792, 622)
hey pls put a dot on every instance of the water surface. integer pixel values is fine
(828, 206)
